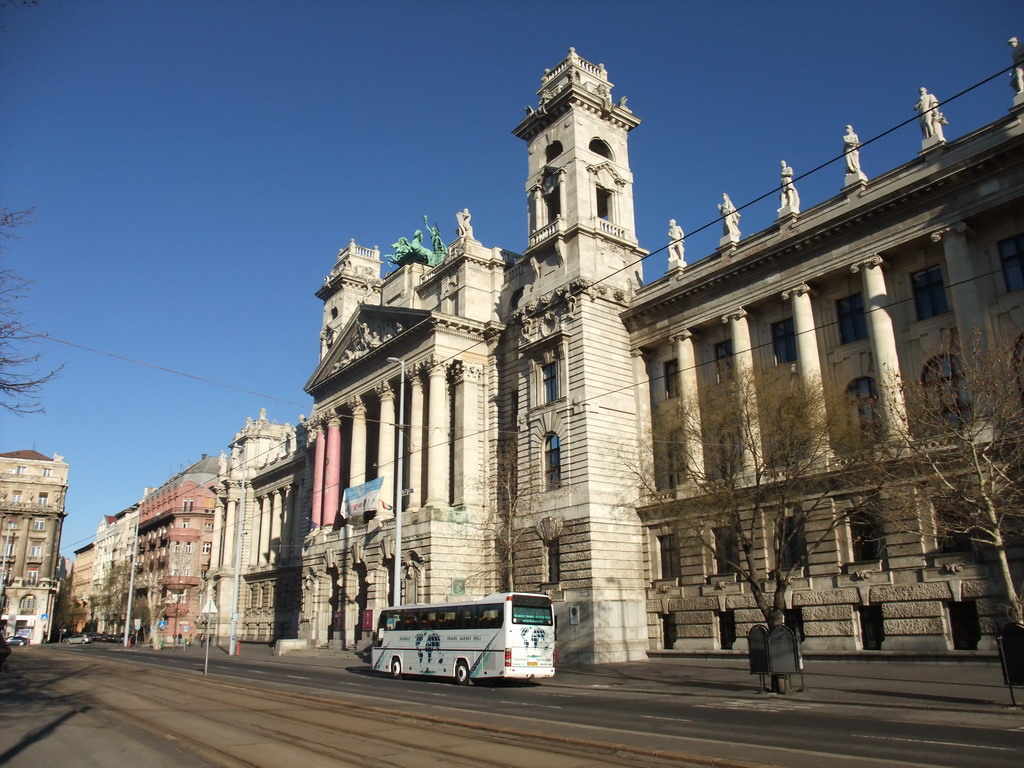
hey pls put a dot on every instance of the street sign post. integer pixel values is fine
(210, 609)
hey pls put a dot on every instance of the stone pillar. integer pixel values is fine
(642, 396)
(468, 464)
(357, 471)
(230, 520)
(743, 370)
(276, 512)
(686, 360)
(319, 454)
(437, 437)
(963, 287)
(219, 532)
(562, 204)
(332, 472)
(883, 340)
(536, 207)
(266, 507)
(289, 527)
(386, 464)
(808, 360)
(415, 452)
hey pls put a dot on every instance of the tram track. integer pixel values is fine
(267, 726)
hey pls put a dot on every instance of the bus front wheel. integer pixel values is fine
(461, 673)
(396, 668)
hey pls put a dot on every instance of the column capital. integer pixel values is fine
(801, 289)
(357, 406)
(682, 335)
(467, 372)
(737, 315)
(868, 263)
(333, 421)
(436, 366)
(384, 391)
(636, 352)
(958, 228)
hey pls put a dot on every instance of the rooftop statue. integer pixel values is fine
(414, 251)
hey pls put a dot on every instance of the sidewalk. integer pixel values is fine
(939, 685)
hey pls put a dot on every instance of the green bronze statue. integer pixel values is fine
(412, 251)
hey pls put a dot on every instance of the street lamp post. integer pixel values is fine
(131, 578)
(399, 486)
(239, 516)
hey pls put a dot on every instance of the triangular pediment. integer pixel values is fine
(371, 328)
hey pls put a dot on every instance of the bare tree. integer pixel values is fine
(20, 381)
(956, 454)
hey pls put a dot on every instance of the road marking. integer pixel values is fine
(939, 743)
(672, 719)
(758, 706)
(299, 677)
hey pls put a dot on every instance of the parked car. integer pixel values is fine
(17, 640)
(77, 640)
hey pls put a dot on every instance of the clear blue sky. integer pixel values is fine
(195, 167)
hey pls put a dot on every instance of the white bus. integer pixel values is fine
(510, 634)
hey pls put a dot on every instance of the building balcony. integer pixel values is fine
(180, 582)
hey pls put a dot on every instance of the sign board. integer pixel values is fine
(45, 616)
(1011, 652)
(138, 624)
(367, 625)
(757, 643)
(210, 607)
(784, 651)
(161, 624)
(184, 627)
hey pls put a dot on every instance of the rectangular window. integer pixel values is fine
(186, 523)
(8, 549)
(670, 372)
(32, 576)
(207, 546)
(1011, 253)
(784, 341)
(550, 375)
(207, 526)
(669, 550)
(38, 525)
(794, 545)
(43, 499)
(553, 462)
(12, 525)
(850, 313)
(47, 472)
(188, 547)
(19, 471)
(604, 204)
(929, 293)
(723, 360)
(35, 550)
(16, 497)
(727, 550)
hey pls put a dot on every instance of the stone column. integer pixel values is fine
(230, 520)
(437, 437)
(963, 286)
(276, 512)
(357, 471)
(332, 472)
(808, 360)
(219, 531)
(289, 527)
(642, 390)
(883, 340)
(743, 370)
(386, 464)
(468, 465)
(562, 204)
(319, 455)
(266, 507)
(415, 452)
(536, 207)
(687, 362)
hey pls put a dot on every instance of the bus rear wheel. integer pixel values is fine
(461, 673)
(396, 668)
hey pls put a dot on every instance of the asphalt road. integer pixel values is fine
(743, 727)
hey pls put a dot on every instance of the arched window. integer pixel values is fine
(553, 461)
(27, 604)
(942, 379)
(554, 150)
(599, 147)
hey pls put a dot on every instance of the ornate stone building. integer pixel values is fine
(524, 379)
(33, 488)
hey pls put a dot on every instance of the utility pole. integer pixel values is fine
(4, 574)
(399, 486)
(131, 578)
(239, 516)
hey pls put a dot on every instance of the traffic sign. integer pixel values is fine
(45, 616)
(210, 607)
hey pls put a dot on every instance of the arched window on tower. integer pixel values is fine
(604, 204)
(599, 147)
(554, 150)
